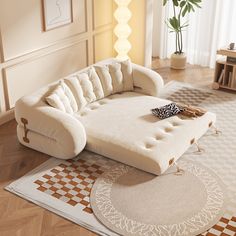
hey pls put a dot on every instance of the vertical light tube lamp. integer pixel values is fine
(122, 29)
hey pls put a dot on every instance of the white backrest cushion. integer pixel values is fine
(91, 84)
(62, 99)
(87, 87)
(97, 86)
(105, 78)
(74, 85)
(126, 68)
(117, 77)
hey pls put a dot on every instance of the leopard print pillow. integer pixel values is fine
(167, 111)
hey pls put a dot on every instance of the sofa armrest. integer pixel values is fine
(49, 130)
(147, 81)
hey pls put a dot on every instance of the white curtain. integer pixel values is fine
(210, 28)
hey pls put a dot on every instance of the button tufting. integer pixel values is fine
(93, 107)
(158, 137)
(192, 141)
(83, 114)
(102, 103)
(175, 124)
(168, 129)
(148, 145)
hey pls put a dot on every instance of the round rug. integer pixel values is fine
(132, 202)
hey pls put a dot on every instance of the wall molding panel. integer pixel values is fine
(25, 20)
(1, 48)
(2, 94)
(28, 55)
(103, 13)
(58, 64)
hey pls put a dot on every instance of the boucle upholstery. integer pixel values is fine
(99, 81)
(117, 77)
(63, 99)
(49, 130)
(122, 127)
(107, 108)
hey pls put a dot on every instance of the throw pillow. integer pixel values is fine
(166, 111)
(105, 78)
(87, 87)
(73, 83)
(126, 68)
(117, 77)
(97, 86)
(62, 98)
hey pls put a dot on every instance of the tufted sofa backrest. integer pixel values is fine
(96, 82)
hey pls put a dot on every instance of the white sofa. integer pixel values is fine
(106, 109)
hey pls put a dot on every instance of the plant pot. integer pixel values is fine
(178, 61)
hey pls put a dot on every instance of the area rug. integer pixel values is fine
(64, 187)
(132, 202)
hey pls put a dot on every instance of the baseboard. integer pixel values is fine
(7, 116)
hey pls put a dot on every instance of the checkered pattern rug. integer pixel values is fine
(64, 186)
(224, 227)
(72, 181)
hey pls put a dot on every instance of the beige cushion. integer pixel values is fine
(62, 99)
(126, 68)
(117, 77)
(105, 78)
(75, 86)
(97, 86)
(87, 87)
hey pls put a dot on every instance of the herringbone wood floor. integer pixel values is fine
(19, 217)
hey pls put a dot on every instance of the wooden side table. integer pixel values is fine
(225, 70)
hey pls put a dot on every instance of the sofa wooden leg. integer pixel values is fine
(179, 170)
(217, 131)
(25, 122)
(199, 149)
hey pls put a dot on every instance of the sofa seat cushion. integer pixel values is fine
(122, 127)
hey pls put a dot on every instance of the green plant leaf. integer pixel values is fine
(197, 1)
(185, 11)
(182, 4)
(175, 3)
(184, 26)
(192, 8)
(164, 2)
(196, 4)
(189, 7)
(175, 24)
(169, 25)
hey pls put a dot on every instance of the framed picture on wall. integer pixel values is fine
(57, 13)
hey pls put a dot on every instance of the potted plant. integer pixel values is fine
(180, 9)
